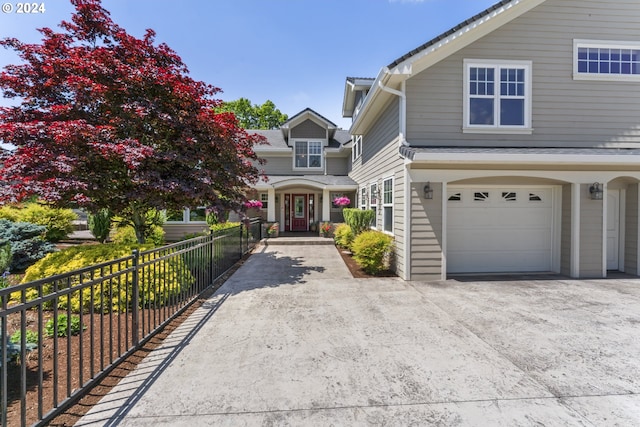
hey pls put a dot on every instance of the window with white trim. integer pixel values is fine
(363, 198)
(264, 198)
(387, 205)
(198, 215)
(307, 155)
(373, 203)
(606, 60)
(497, 96)
(357, 147)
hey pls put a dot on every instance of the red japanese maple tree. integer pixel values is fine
(108, 120)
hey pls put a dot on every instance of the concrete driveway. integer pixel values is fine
(292, 339)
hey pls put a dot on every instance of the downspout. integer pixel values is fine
(402, 142)
(402, 131)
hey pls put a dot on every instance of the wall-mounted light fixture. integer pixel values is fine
(428, 191)
(596, 191)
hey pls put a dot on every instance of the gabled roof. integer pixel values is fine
(436, 50)
(351, 86)
(277, 138)
(302, 115)
(448, 33)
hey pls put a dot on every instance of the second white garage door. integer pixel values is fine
(499, 230)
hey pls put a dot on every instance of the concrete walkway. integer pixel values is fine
(292, 339)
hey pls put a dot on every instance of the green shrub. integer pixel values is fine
(126, 235)
(100, 224)
(10, 213)
(63, 327)
(371, 249)
(26, 243)
(158, 282)
(359, 220)
(58, 222)
(343, 236)
(31, 337)
(221, 226)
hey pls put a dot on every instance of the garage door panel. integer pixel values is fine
(499, 230)
(499, 261)
(495, 239)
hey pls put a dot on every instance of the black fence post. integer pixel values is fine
(135, 297)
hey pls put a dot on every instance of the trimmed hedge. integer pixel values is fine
(359, 220)
(159, 283)
(371, 250)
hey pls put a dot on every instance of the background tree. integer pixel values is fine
(107, 120)
(265, 116)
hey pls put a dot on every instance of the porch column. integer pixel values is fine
(326, 205)
(271, 207)
(575, 230)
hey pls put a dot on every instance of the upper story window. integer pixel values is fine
(606, 60)
(497, 96)
(308, 154)
(357, 147)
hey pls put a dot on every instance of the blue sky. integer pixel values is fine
(296, 53)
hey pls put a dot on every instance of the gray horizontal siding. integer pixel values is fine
(426, 233)
(284, 166)
(590, 235)
(176, 232)
(565, 112)
(380, 160)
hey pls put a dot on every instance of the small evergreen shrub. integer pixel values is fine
(343, 236)
(64, 327)
(100, 224)
(158, 283)
(371, 249)
(26, 243)
(359, 220)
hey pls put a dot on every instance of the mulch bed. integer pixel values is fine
(357, 271)
(79, 409)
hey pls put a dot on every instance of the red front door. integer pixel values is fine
(299, 212)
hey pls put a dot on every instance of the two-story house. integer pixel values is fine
(307, 164)
(508, 144)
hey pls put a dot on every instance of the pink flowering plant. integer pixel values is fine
(341, 201)
(253, 204)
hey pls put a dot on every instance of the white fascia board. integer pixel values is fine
(464, 37)
(546, 159)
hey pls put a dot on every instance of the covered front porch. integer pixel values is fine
(299, 203)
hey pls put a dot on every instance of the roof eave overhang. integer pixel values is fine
(306, 183)
(523, 159)
(427, 57)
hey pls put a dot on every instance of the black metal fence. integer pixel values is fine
(74, 328)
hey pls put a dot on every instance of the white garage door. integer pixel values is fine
(507, 229)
